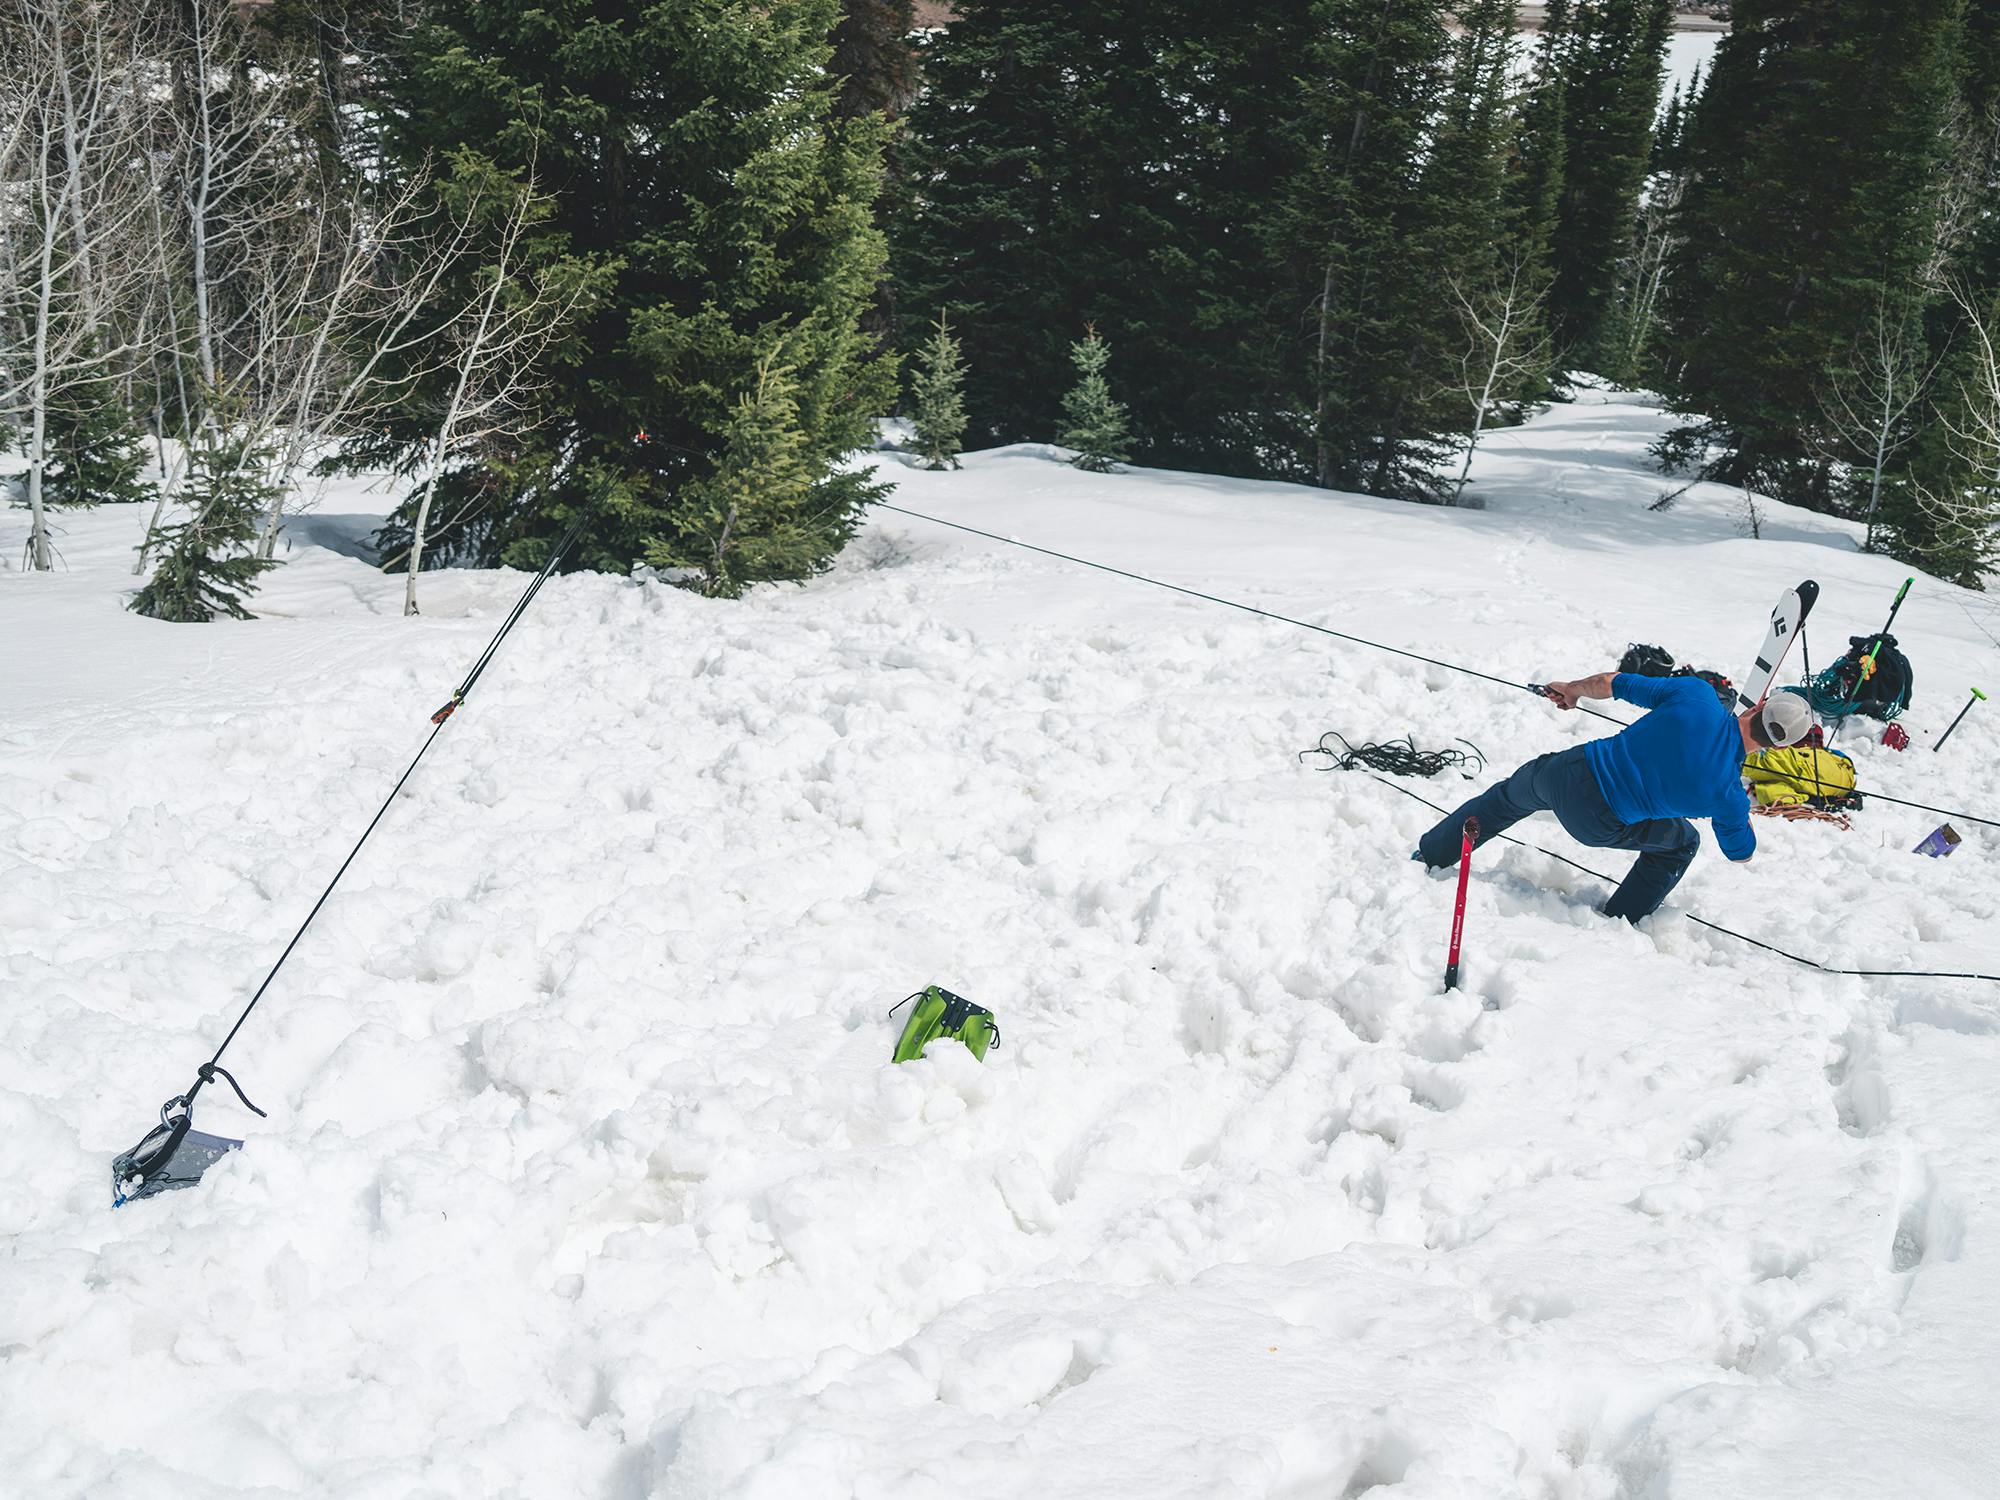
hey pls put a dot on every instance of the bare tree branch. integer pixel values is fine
(72, 203)
(1867, 407)
(1505, 348)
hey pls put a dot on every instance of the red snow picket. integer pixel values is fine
(1458, 906)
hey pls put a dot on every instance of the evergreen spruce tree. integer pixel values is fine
(704, 190)
(1603, 60)
(206, 560)
(1535, 185)
(1941, 509)
(873, 58)
(984, 227)
(751, 520)
(94, 452)
(1815, 155)
(1536, 182)
(1462, 225)
(876, 63)
(1627, 340)
(1095, 424)
(1113, 164)
(1406, 198)
(1376, 77)
(1668, 146)
(937, 399)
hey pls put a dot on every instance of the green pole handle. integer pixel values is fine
(1977, 697)
(1868, 661)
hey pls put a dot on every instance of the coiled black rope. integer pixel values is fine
(1397, 757)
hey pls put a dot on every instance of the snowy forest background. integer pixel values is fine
(669, 263)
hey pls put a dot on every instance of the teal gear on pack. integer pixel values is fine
(1873, 679)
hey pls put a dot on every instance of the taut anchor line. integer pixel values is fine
(173, 1154)
(1539, 689)
(1248, 609)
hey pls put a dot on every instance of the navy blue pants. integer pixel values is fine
(1564, 784)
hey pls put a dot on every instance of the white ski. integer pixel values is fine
(1791, 611)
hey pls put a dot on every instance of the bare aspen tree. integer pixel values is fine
(279, 268)
(313, 308)
(1505, 348)
(72, 215)
(16, 92)
(349, 320)
(72, 50)
(1964, 192)
(234, 126)
(1867, 406)
(496, 347)
(1753, 514)
(1645, 272)
(165, 260)
(1969, 513)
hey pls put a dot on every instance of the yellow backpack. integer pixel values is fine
(1804, 775)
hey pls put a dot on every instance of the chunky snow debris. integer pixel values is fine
(588, 1173)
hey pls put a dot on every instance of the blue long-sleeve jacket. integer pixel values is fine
(1684, 759)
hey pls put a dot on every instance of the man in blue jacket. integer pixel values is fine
(1637, 789)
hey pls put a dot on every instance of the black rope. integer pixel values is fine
(1248, 609)
(1741, 937)
(1943, 812)
(209, 1070)
(1251, 609)
(1397, 757)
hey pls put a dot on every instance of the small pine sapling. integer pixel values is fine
(207, 562)
(1097, 427)
(762, 515)
(938, 400)
(94, 455)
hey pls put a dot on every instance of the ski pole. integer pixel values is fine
(1977, 697)
(1458, 907)
(1868, 661)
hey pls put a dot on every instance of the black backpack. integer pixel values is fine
(1656, 661)
(1724, 688)
(1885, 692)
(1646, 661)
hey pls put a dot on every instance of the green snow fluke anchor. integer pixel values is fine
(938, 1012)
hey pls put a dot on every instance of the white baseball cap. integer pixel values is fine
(1786, 717)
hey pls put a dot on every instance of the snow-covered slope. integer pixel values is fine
(587, 1173)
